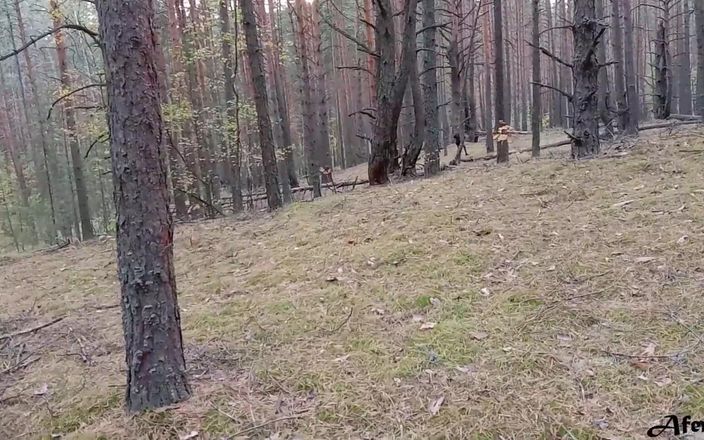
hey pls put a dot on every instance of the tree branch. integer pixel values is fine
(363, 47)
(35, 40)
(433, 26)
(562, 92)
(80, 89)
(551, 55)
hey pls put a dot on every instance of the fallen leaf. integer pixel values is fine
(551, 268)
(467, 369)
(507, 349)
(434, 405)
(189, 436)
(600, 423)
(482, 232)
(479, 335)
(485, 291)
(427, 326)
(434, 301)
(683, 239)
(644, 259)
(418, 318)
(331, 279)
(643, 377)
(640, 365)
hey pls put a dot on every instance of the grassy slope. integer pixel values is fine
(533, 278)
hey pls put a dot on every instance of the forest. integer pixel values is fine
(344, 270)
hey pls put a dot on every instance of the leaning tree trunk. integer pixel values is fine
(429, 83)
(537, 111)
(587, 32)
(661, 92)
(261, 103)
(156, 370)
(699, 28)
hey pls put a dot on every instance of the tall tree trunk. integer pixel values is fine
(499, 94)
(489, 140)
(536, 111)
(604, 95)
(281, 101)
(429, 83)
(630, 70)
(699, 29)
(390, 86)
(67, 103)
(233, 150)
(261, 102)
(156, 371)
(622, 108)
(454, 59)
(685, 71)
(587, 32)
(410, 156)
(661, 92)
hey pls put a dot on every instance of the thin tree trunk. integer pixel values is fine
(536, 111)
(261, 102)
(429, 84)
(630, 70)
(685, 72)
(699, 29)
(604, 95)
(156, 371)
(67, 103)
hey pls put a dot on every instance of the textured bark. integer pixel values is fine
(630, 70)
(622, 108)
(261, 102)
(685, 62)
(76, 157)
(410, 156)
(489, 140)
(390, 86)
(586, 30)
(604, 95)
(233, 151)
(537, 112)
(456, 81)
(281, 101)
(156, 371)
(429, 85)
(499, 94)
(320, 87)
(311, 119)
(699, 29)
(661, 68)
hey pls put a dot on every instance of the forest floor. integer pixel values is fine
(547, 299)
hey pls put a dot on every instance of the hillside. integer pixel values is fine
(547, 299)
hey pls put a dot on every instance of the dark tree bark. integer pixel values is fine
(390, 86)
(76, 158)
(429, 84)
(630, 71)
(661, 67)
(233, 150)
(499, 108)
(699, 29)
(685, 70)
(489, 140)
(587, 32)
(622, 108)
(156, 373)
(537, 110)
(261, 102)
(604, 94)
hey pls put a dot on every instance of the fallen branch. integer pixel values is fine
(30, 330)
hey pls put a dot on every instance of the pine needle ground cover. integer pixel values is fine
(544, 300)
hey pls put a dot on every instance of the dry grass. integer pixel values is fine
(558, 315)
